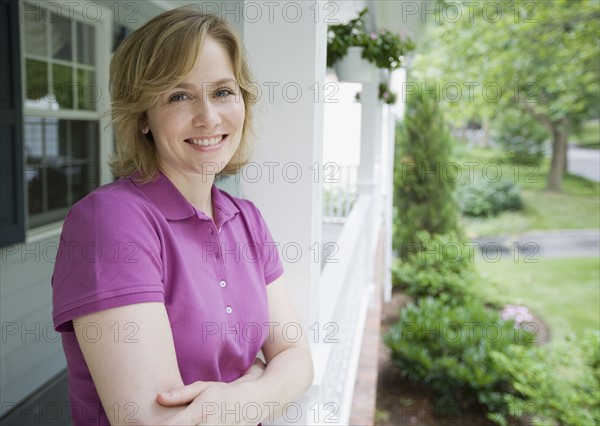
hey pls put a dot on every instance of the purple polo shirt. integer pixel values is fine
(129, 243)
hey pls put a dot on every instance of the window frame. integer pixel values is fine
(103, 43)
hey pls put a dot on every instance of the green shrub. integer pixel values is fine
(484, 198)
(450, 348)
(520, 136)
(591, 355)
(438, 265)
(422, 194)
(466, 354)
(547, 388)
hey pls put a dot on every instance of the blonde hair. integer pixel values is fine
(155, 58)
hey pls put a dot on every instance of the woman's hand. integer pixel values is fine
(214, 403)
(186, 394)
(211, 409)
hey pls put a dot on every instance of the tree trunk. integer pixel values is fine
(486, 134)
(565, 147)
(560, 135)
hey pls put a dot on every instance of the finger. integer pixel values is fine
(182, 395)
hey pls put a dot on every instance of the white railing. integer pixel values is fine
(339, 194)
(344, 291)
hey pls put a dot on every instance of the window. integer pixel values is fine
(61, 119)
(61, 165)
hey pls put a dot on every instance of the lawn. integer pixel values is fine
(588, 136)
(577, 207)
(565, 293)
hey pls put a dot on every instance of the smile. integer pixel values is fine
(206, 142)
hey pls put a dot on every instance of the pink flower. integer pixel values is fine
(386, 95)
(374, 36)
(520, 314)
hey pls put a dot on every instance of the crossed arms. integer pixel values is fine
(131, 379)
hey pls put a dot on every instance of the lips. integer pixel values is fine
(206, 142)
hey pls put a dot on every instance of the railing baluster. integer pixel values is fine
(339, 197)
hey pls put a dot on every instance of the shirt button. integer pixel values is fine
(210, 231)
(222, 283)
(229, 310)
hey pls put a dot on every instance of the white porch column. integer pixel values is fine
(368, 169)
(370, 136)
(397, 84)
(287, 52)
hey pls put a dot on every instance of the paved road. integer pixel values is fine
(584, 162)
(563, 243)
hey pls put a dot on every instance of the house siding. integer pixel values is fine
(30, 350)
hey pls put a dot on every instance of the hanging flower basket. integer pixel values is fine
(356, 53)
(354, 68)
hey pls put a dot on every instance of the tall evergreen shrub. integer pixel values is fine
(424, 177)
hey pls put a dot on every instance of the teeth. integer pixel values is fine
(206, 142)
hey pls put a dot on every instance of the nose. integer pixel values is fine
(206, 114)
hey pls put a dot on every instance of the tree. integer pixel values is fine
(541, 58)
(423, 182)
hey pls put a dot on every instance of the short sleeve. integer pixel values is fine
(271, 261)
(109, 255)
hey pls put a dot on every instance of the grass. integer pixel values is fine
(564, 292)
(577, 207)
(589, 135)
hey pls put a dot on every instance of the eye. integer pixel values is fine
(178, 97)
(221, 93)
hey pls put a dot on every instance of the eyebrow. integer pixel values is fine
(189, 86)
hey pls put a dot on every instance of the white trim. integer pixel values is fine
(334, 275)
(44, 232)
(359, 332)
(65, 114)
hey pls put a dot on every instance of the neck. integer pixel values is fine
(195, 188)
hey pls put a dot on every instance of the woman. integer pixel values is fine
(163, 282)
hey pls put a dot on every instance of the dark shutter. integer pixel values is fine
(12, 214)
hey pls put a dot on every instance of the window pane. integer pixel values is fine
(119, 34)
(83, 160)
(84, 178)
(35, 31)
(86, 40)
(60, 37)
(33, 137)
(87, 90)
(61, 165)
(35, 189)
(37, 81)
(34, 152)
(84, 140)
(57, 185)
(63, 85)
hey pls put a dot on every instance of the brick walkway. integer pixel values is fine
(365, 388)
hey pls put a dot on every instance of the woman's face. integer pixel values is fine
(197, 126)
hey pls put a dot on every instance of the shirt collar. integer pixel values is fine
(174, 206)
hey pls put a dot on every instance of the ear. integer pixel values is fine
(145, 126)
